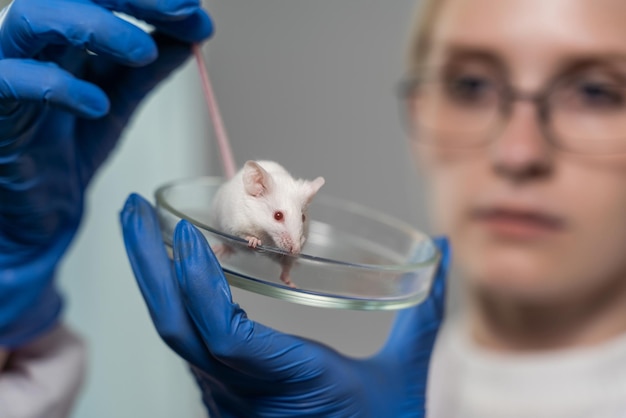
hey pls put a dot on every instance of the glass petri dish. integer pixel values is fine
(354, 258)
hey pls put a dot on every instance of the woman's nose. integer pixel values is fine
(521, 151)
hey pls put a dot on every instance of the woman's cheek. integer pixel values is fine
(598, 213)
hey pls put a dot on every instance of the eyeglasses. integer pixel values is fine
(582, 112)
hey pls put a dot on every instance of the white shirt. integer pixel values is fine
(471, 382)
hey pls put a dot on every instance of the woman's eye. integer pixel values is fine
(469, 89)
(600, 95)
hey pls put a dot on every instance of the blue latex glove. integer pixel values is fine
(62, 110)
(246, 369)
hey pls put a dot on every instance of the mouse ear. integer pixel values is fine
(256, 181)
(311, 188)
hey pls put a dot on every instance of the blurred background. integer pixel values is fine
(310, 84)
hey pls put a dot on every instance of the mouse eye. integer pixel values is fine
(303, 217)
(278, 215)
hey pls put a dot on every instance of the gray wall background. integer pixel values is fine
(310, 84)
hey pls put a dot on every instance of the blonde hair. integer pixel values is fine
(420, 35)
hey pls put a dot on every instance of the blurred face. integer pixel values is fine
(525, 218)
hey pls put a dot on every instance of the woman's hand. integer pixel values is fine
(246, 369)
(71, 75)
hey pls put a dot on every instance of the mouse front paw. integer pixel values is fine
(253, 241)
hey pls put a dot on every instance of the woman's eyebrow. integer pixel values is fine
(457, 53)
(576, 61)
(460, 51)
(569, 63)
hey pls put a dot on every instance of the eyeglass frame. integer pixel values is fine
(508, 95)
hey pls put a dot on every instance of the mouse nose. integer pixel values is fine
(290, 245)
(294, 249)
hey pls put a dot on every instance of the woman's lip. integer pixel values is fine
(516, 223)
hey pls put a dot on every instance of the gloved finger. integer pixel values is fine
(31, 25)
(151, 9)
(193, 28)
(126, 91)
(154, 273)
(34, 81)
(251, 348)
(415, 329)
(181, 19)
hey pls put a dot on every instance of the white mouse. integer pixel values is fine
(263, 204)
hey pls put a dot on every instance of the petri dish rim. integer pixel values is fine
(356, 208)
